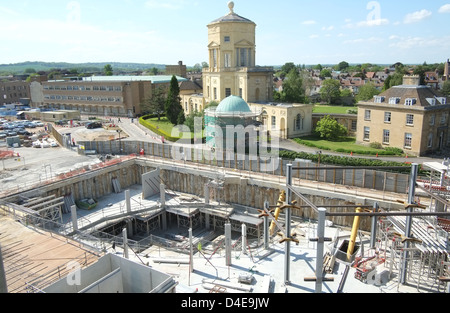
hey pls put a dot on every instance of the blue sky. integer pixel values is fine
(167, 31)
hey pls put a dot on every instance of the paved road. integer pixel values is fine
(136, 131)
(293, 146)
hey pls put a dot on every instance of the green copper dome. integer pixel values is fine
(233, 104)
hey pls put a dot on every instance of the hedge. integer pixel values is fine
(143, 121)
(342, 160)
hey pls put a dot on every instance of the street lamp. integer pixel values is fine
(119, 131)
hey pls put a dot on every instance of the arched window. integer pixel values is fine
(299, 122)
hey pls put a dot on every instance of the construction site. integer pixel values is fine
(126, 216)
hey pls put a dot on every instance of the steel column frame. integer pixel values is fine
(320, 249)
(411, 194)
(288, 216)
(3, 283)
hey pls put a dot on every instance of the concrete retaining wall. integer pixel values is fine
(371, 179)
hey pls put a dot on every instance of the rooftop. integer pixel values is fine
(233, 104)
(232, 17)
(159, 79)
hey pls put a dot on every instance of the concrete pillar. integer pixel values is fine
(228, 244)
(266, 227)
(207, 217)
(162, 190)
(164, 220)
(191, 252)
(409, 220)
(3, 284)
(373, 231)
(73, 211)
(320, 249)
(130, 228)
(128, 201)
(206, 194)
(288, 214)
(125, 243)
(244, 238)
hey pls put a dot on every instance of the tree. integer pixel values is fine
(325, 73)
(367, 92)
(394, 80)
(420, 70)
(181, 118)
(154, 71)
(330, 129)
(293, 90)
(318, 67)
(288, 67)
(347, 97)
(30, 71)
(108, 70)
(155, 104)
(173, 106)
(343, 66)
(330, 91)
(446, 88)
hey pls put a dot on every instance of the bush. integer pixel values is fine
(144, 122)
(343, 161)
(330, 129)
(376, 145)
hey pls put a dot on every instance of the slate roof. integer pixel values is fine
(232, 18)
(420, 93)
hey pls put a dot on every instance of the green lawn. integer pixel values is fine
(345, 145)
(164, 125)
(332, 109)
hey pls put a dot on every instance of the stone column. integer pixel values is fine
(228, 244)
(73, 211)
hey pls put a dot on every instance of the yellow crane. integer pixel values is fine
(280, 204)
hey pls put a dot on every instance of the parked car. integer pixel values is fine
(94, 125)
(23, 132)
(30, 125)
(38, 124)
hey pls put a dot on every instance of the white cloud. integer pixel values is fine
(417, 42)
(314, 36)
(8, 12)
(444, 9)
(368, 23)
(310, 22)
(329, 28)
(375, 22)
(417, 16)
(166, 4)
(363, 40)
(72, 41)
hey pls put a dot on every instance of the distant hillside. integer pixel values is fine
(20, 68)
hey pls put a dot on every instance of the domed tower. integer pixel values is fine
(232, 112)
(232, 61)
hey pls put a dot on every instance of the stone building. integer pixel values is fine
(232, 71)
(99, 95)
(177, 70)
(232, 56)
(14, 92)
(411, 117)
